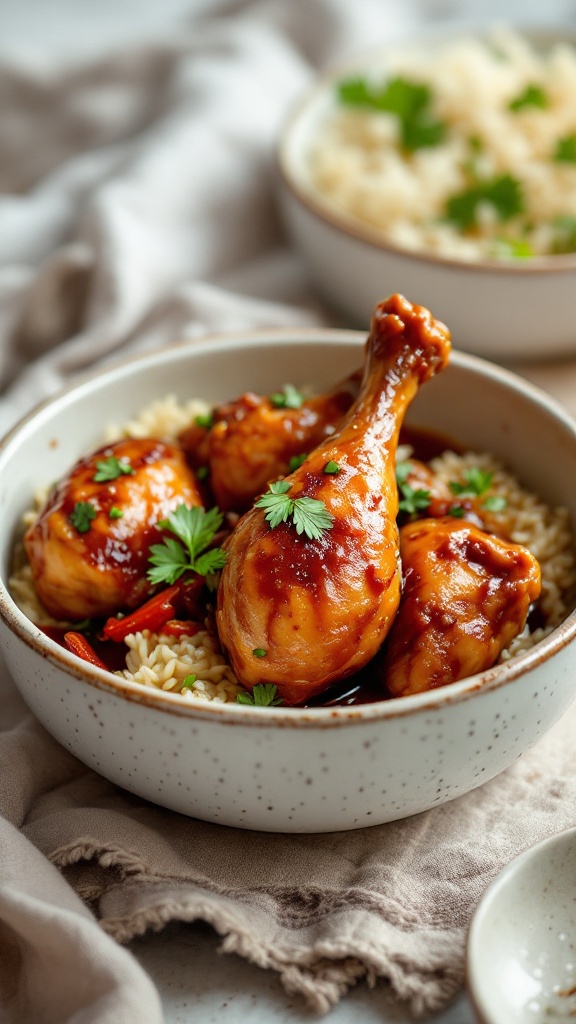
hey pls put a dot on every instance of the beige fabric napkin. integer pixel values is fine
(136, 206)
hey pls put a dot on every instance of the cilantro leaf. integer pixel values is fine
(495, 503)
(565, 152)
(277, 506)
(111, 469)
(115, 512)
(478, 481)
(409, 101)
(297, 460)
(195, 528)
(205, 420)
(82, 515)
(288, 398)
(169, 560)
(309, 515)
(331, 468)
(188, 681)
(457, 511)
(532, 96)
(412, 500)
(503, 193)
(263, 695)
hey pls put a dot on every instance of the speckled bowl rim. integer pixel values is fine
(310, 198)
(431, 701)
(476, 979)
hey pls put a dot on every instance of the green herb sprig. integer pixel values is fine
(288, 398)
(263, 695)
(477, 483)
(195, 529)
(309, 515)
(409, 101)
(532, 96)
(412, 500)
(82, 515)
(111, 469)
(565, 152)
(503, 193)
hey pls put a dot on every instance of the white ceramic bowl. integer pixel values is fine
(500, 309)
(521, 955)
(279, 769)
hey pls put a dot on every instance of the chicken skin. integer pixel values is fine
(252, 441)
(89, 545)
(302, 613)
(466, 595)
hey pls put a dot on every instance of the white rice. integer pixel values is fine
(360, 169)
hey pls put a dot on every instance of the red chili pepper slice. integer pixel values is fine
(78, 644)
(158, 610)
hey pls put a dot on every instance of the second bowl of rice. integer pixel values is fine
(446, 171)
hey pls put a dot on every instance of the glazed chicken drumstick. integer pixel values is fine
(301, 612)
(466, 595)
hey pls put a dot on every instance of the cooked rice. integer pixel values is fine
(359, 168)
(163, 662)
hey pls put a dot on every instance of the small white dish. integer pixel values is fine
(521, 959)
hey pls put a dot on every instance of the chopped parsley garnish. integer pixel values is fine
(412, 500)
(263, 695)
(195, 528)
(309, 515)
(115, 512)
(477, 483)
(564, 239)
(188, 681)
(457, 511)
(494, 503)
(288, 398)
(532, 96)
(82, 515)
(259, 652)
(409, 101)
(205, 420)
(332, 468)
(297, 460)
(111, 469)
(503, 193)
(203, 472)
(565, 152)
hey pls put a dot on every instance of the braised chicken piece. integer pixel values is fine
(89, 545)
(300, 612)
(252, 441)
(466, 596)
